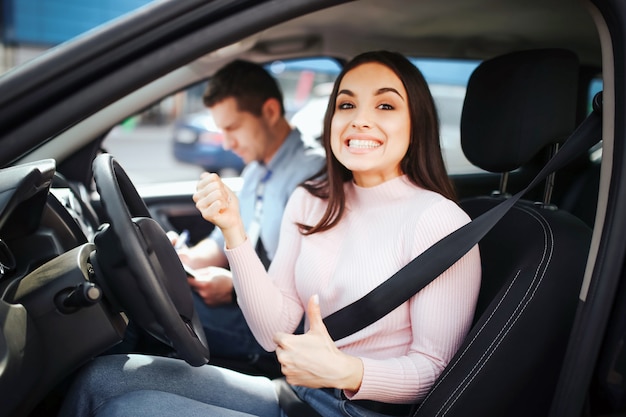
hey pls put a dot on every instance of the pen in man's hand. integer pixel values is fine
(182, 240)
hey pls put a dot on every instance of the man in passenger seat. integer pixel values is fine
(246, 103)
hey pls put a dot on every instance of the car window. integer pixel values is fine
(181, 140)
(448, 79)
(596, 85)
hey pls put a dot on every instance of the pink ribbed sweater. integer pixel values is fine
(383, 228)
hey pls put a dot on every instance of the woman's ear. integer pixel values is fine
(271, 110)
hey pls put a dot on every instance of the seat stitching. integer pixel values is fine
(452, 366)
(517, 313)
(504, 296)
(508, 326)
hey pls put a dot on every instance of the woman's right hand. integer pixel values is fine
(219, 205)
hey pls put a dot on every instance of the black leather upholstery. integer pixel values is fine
(534, 258)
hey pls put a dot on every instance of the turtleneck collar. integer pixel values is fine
(392, 190)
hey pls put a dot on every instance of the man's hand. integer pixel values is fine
(213, 284)
(175, 240)
(312, 359)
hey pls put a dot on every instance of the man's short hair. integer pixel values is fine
(247, 82)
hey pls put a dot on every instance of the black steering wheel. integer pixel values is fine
(142, 274)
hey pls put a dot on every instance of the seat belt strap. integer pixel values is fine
(435, 260)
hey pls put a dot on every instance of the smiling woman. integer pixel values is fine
(371, 132)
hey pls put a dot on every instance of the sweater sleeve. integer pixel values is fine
(269, 300)
(440, 317)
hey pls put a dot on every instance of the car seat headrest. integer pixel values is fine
(517, 104)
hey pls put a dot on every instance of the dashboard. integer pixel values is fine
(53, 311)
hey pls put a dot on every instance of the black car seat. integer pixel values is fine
(581, 197)
(517, 105)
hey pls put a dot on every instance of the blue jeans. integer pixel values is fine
(331, 403)
(226, 330)
(139, 385)
(149, 403)
(135, 385)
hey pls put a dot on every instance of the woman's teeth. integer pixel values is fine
(363, 144)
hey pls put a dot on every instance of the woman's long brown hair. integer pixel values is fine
(423, 163)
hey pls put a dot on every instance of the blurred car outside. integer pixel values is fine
(198, 141)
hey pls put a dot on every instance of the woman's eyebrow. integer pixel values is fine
(380, 91)
(346, 92)
(388, 90)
